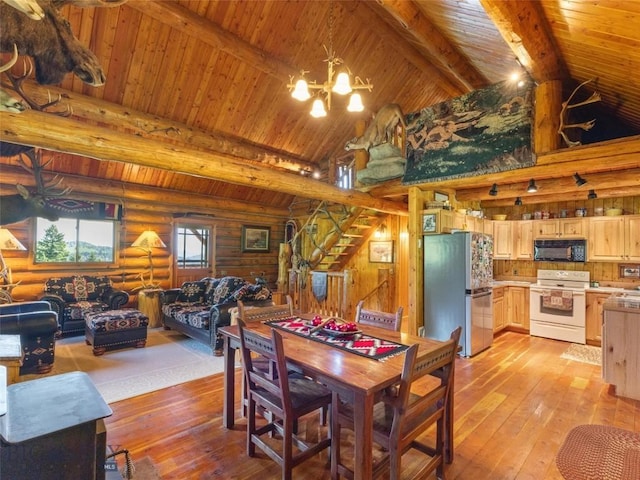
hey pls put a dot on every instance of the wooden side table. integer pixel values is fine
(11, 356)
(149, 304)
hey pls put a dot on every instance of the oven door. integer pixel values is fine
(558, 313)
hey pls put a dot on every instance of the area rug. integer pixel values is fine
(583, 353)
(143, 469)
(168, 359)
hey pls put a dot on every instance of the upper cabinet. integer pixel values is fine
(559, 228)
(503, 239)
(513, 240)
(523, 240)
(614, 239)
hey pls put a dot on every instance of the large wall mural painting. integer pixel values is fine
(484, 131)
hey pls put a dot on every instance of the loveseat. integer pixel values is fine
(37, 325)
(198, 309)
(72, 297)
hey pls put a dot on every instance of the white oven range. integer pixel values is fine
(558, 307)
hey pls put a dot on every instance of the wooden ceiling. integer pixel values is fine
(207, 79)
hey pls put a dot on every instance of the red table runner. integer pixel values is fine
(359, 343)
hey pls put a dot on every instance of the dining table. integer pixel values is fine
(357, 378)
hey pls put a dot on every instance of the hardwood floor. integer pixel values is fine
(514, 405)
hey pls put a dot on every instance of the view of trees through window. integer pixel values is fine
(72, 240)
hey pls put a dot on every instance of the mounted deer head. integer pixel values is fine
(15, 208)
(51, 43)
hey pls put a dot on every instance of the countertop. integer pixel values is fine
(630, 292)
(623, 303)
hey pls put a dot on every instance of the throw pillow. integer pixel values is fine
(225, 289)
(192, 292)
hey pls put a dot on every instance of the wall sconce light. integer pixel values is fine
(592, 195)
(532, 188)
(579, 180)
(147, 241)
(380, 231)
(518, 201)
(494, 190)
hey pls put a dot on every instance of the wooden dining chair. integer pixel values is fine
(400, 418)
(261, 314)
(390, 321)
(287, 398)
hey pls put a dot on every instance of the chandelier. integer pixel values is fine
(341, 85)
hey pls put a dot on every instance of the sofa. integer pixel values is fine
(72, 297)
(197, 309)
(37, 325)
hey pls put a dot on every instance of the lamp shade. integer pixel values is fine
(149, 239)
(301, 92)
(355, 103)
(343, 85)
(8, 241)
(318, 110)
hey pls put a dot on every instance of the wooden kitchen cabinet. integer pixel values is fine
(438, 221)
(498, 309)
(632, 238)
(502, 239)
(560, 228)
(606, 239)
(517, 301)
(523, 240)
(595, 302)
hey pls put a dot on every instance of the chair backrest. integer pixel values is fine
(390, 321)
(261, 314)
(412, 413)
(260, 381)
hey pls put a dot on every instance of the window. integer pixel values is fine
(72, 240)
(193, 246)
(345, 176)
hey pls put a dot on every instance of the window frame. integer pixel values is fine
(75, 266)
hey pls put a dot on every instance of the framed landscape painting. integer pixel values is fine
(255, 238)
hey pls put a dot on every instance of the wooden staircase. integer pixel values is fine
(352, 227)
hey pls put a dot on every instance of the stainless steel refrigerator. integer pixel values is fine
(458, 276)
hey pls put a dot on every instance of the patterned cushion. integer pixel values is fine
(77, 311)
(196, 316)
(116, 320)
(225, 290)
(257, 292)
(78, 287)
(192, 292)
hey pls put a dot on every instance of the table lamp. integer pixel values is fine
(147, 241)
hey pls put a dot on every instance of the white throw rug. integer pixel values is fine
(584, 353)
(168, 359)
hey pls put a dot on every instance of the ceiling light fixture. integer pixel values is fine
(532, 188)
(592, 195)
(494, 190)
(341, 85)
(518, 201)
(579, 180)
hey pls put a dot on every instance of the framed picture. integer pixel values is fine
(629, 271)
(441, 197)
(255, 239)
(429, 223)
(381, 251)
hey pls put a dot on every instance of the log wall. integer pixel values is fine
(139, 216)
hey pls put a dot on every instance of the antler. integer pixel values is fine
(595, 97)
(12, 61)
(45, 189)
(16, 84)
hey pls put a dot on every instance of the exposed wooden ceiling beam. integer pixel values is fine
(60, 134)
(525, 29)
(114, 191)
(557, 186)
(575, 195)
(124, 120)
(429, 39)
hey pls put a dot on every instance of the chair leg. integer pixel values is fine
(287, 448)
(334, 429)
(251, 427)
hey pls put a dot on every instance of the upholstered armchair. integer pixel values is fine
(37, 326)
(72, 297)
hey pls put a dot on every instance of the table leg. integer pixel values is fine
(448, 424)
(363, 436)
(229, 384)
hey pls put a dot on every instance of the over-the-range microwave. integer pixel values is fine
(556, 250)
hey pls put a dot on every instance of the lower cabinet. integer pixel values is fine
(498, 309)
(595, 306)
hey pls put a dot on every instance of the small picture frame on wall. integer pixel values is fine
(629, 271)
(381, 251)
(429, 223)
(255, 238)
(441, 197)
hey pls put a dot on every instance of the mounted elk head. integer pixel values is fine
(51, 43)
(15, 208)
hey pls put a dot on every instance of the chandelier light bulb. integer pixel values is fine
(343, 85)
(355, 103)
(301, 92)
(318, 110)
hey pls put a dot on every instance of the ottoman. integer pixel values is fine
(115, 329)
